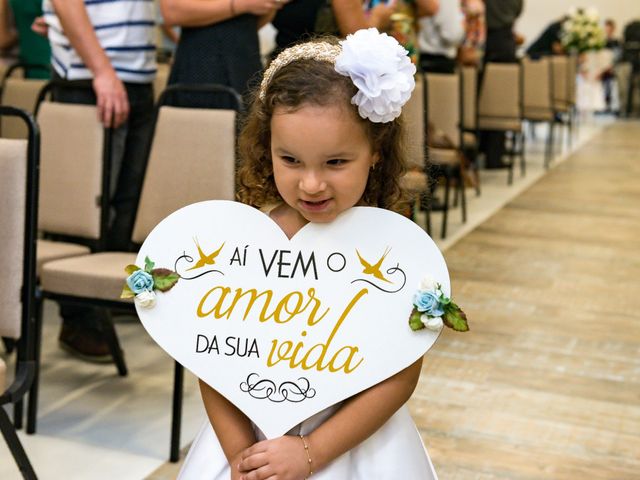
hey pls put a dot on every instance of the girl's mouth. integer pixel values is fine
(315, 206)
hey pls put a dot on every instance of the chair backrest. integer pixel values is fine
(469, 97)
(561, 90)
(18, 188)
(444, 103)
(501, 93)
(538, 88)
(192, 159)
(21, 93)
(71, 170)
(13, 171)
(413, 113)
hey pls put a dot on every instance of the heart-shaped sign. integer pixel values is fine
(284, 328)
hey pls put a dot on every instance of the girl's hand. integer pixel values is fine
(281, 458)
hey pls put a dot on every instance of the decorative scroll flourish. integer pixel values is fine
(190, 259)
(390, 271)
(288, 391)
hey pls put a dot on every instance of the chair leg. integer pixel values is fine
(548, 154)
(445, 204)
(32, 407)
(16, 448)
(523, 163)
(176, 414)
(110, 336)
(463, 199)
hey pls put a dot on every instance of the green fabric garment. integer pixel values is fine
(34, 49)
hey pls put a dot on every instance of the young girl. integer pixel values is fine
(323, 135)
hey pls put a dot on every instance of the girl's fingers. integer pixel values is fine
(262, 473)
(251, 462)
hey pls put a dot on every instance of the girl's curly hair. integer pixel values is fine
(310, 82)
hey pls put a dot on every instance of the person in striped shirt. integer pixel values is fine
(103, 53)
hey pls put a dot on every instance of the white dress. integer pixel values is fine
(393, 452)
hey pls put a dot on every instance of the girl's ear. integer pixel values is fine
(375, 158)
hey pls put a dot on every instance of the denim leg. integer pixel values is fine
(128, 173)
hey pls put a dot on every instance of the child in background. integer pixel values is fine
(324, 134)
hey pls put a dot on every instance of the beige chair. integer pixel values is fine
(18, 190)
(415, 181)
(161, 79)
(470, 133)
(20, 93)
(500, 107)
(172, 181)
(444, 111)
(73, 212)
(564, 90)
(538, 104)
(72, 172)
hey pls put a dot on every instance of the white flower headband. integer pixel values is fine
(376, 63)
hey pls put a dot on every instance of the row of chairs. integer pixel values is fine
(72, 265)
(458, 106)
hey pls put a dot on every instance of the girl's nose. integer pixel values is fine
(312, 183)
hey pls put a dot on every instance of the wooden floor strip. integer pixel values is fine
(547, 383)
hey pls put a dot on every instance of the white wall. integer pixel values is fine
(538, 14)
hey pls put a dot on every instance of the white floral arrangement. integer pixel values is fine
(381, 70)
(142, 283)
(432, 309)
(581, 31)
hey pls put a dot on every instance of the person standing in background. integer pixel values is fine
(501, 16)
(549, 42)
(440, 36)
(471, 51)
(34, 49)
(103, 53)
(218, 44)
(500, 47)
(8, 35)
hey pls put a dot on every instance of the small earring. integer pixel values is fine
(373, 166)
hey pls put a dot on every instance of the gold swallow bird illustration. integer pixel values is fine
(374, 269)
(204, 258)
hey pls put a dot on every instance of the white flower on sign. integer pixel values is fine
(145, 299)
(428, 284)
(432, 323)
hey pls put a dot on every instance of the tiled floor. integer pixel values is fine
(94, 424)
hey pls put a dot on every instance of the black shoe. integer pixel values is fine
(87, 344)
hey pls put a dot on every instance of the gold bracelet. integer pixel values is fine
(306, 450)
(231, 6)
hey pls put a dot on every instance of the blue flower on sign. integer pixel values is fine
(140, 281)
(428, 301)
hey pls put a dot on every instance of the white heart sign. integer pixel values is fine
(284, 328)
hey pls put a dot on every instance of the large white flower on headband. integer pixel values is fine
(382, 71)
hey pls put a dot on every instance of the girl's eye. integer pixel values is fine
(336, 162)
(288, 159)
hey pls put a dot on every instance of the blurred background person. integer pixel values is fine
(471, 51)
(549, 42)
(8, 34)
(501, 45)
(439, 37)
(218, 44)
(34, 49)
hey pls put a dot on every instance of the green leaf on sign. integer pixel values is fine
(164, 279)
(414, 320)
(148, 265)
(127, 292)
(455, 318)
(131, 268)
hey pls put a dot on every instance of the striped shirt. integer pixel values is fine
(125, 30)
